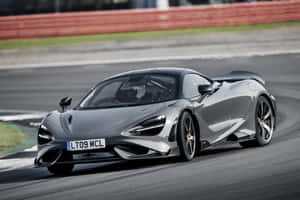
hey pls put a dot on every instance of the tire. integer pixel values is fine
(264, 123)
(61, 170)
(187, 138)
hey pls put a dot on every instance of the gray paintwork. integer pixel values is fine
(228, 110)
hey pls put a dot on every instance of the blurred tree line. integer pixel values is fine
(203, 2)
(22, 7)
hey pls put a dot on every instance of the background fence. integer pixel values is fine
(84, 23)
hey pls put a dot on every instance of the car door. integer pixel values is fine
(242, 93)
(213, 110)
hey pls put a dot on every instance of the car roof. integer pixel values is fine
(162, 70)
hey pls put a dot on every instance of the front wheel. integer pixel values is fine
(187, 137)
(264, 122)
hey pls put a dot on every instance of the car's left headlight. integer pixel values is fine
(150, 127)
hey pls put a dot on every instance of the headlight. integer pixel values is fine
(150, 127)
(44, 136)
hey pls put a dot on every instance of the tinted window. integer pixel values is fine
(191, 83)
(132, 90)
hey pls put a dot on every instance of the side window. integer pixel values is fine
(191, 83)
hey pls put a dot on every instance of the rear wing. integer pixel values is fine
(239, 76)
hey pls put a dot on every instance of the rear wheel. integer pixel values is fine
(60, 169)
(264, 122)
(187, 137)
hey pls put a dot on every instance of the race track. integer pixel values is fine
(225, 172)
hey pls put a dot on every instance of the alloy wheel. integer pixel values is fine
(265, 121)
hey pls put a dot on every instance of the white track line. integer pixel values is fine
(20, 111)
(15, 163)
(20, 117)
(151, 59)
(32, 149)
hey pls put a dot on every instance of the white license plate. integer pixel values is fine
(81, 145)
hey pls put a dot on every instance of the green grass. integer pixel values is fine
(10, 138)
(44, 42)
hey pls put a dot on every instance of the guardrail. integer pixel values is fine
(84, 23)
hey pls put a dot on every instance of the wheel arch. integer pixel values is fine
(197, 127)
(272, 103)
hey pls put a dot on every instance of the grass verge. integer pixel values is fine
(10, 138)
(44, 42)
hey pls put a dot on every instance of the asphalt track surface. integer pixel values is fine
(225, 172)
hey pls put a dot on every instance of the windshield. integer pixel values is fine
(132, 90)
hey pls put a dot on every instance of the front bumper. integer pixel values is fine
(120, 148)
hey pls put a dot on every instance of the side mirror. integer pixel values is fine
(206, 89)
(65, 102)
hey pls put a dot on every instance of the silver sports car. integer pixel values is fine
(156, 113)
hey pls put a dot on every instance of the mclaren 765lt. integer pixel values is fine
(157, 113)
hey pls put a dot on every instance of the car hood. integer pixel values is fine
(108, 122)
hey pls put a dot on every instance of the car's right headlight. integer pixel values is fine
(44, 136)
(150, 127)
